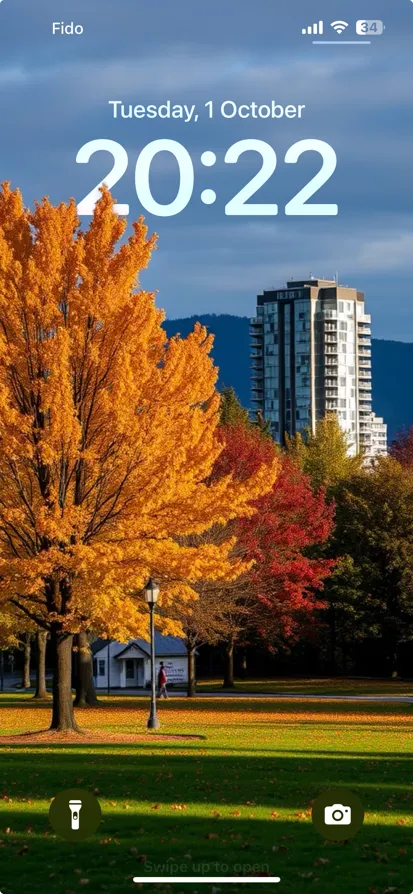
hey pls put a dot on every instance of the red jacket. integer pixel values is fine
(162, 678)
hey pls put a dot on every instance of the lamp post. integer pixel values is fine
(151, 597)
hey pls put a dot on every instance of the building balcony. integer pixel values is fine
(364, 352)
(331, 350)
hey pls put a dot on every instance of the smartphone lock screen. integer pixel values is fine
(206, 447)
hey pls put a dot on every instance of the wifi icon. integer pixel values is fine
(339, 27)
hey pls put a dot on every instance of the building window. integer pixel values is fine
(102, 667)
(130, 669)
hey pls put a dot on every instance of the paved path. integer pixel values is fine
(304, 695)
(174, 693)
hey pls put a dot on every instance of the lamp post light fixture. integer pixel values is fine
(151, 591)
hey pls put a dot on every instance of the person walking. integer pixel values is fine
(162, 681)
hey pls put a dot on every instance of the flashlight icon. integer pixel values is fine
(75, 808)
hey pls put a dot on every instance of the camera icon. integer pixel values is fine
(337, 815)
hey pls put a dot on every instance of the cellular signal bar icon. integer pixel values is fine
(318, 28)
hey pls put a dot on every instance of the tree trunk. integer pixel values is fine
(191, 671)
(333, 642)
(62, 711)
(85, 687)
(26, 661)
(41, 640)
(229, 664)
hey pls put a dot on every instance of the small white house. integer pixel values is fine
(128, 666)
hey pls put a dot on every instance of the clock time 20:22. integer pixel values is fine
(238, 205)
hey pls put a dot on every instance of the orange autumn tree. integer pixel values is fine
(108, 434)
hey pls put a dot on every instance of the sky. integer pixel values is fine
(54, 98)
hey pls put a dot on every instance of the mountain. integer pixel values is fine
(392, 366)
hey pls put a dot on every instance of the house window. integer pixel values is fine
(130, 669)
(102, 667)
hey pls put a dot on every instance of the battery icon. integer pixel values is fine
(369, 26)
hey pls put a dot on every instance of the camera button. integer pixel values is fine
(337, 814)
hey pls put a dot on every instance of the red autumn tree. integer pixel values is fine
(282, 538)
(402, 447)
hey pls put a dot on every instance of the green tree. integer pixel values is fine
(232, 411)
(324, 454)
(374, 526)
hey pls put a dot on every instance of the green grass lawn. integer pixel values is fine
(313, 686)
(239, 798)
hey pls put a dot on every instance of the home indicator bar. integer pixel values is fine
(208, 879)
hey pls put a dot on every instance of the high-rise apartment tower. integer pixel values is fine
(311, 354)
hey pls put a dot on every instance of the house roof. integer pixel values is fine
(133, 650)
(165, 646)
